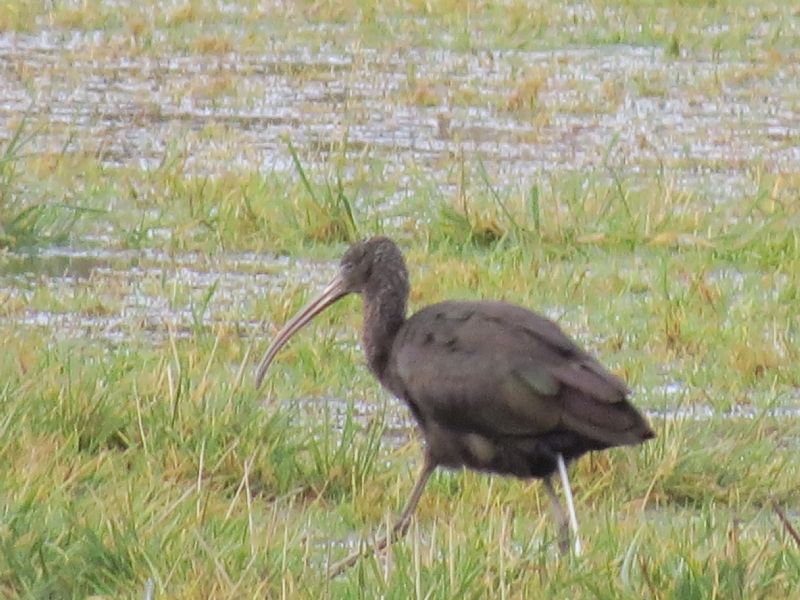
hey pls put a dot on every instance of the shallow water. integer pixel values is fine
(132, 291)
(631, 108)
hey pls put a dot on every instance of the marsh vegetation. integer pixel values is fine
(176, 179)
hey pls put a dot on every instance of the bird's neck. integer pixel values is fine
(384, 314)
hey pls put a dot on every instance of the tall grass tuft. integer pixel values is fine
(328, 213)
(30, 226)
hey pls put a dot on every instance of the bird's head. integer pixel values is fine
(365, 266)
(367, 261)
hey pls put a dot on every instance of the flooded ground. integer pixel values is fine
(525, 114)
(138, 291)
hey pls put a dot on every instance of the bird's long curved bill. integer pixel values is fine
(332, 292)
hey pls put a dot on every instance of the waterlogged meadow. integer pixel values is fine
(177, 179)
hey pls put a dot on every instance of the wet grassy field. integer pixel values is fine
(176, 179)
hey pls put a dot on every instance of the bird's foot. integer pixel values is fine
(341, 566)
(379, 546)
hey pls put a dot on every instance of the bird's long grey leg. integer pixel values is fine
(561, 516)
(573, 519)
(400, 528)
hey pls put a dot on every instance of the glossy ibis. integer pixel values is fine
(492, 386)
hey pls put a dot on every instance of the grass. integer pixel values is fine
(135, 276)
(26, 223)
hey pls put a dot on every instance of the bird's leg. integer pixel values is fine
(400, 528)
(561, 516)
(573, 519)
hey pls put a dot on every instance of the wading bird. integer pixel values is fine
(492, 386)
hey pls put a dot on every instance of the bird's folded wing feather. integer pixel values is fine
(500, 369)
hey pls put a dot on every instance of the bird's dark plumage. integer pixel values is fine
(492, 386)
(498, 388)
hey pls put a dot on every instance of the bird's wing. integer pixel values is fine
(500, 369)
